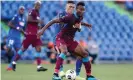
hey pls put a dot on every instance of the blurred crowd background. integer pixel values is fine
(110, 40)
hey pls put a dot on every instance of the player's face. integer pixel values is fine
(37, 6)
(21, 11)
(80, 10)
(70, 8)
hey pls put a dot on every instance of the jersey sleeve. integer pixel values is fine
(66, 19)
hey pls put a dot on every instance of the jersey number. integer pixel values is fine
(11, 42)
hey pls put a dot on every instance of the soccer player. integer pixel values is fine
(70, 6)
(31, 37)
(16, 25)
(65, 40)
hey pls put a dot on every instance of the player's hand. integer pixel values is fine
(39, 33)
(20, 29)
(89, 25)
(77, 25)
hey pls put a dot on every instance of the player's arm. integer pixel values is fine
(63, 19)
(57, 20)
(86, 24)
(11, 25)
(12, 22)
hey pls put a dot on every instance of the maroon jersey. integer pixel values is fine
(32, 27)
(69, 30)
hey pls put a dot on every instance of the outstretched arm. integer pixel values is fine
(64, 19)
(48, 25)
(86, 24)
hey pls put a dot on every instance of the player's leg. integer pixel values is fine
(85, 59)
(79, 59)
(61, 73)
(78, 66)
(19, 52)
(63, 48)
(38, 59)
(37, 43)
(9, 46)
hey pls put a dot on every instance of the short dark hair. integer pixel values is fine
(70, 2)
(80, 3)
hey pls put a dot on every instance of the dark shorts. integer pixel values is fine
(71, 44)
(31, 40)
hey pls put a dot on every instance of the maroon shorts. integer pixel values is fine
(31, 40)
(71, 44)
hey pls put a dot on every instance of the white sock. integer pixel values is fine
(13, 62)
(39, 66)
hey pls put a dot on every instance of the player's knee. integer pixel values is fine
(79, 57)
(85, 59)
(63, 49)
(85, 54)
(8, 49)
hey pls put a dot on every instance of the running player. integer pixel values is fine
(31, 37)
(65, 40)
(70, 6)
(16, 25)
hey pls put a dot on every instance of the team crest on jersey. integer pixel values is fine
(21, 23)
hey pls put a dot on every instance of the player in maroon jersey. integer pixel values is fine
(65, 40)
(31, 36)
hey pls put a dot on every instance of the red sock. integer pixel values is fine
(87, 68)
(59, 62)
(38, 60)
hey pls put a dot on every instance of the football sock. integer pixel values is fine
(78, 66)
(59, 62)
(61, 68)
(38, 59)
(87, 65)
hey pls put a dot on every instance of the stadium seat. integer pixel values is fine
(112, 30)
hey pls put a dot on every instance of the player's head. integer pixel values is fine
(80, 8)
(70, 6)
(21, 10)
(37, 5)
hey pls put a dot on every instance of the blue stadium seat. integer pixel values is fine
(129, 5)
(112, 30)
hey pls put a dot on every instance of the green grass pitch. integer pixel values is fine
(101, 71)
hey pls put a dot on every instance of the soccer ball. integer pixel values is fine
(70, 74)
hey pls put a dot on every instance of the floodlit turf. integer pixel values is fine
(102, 71)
